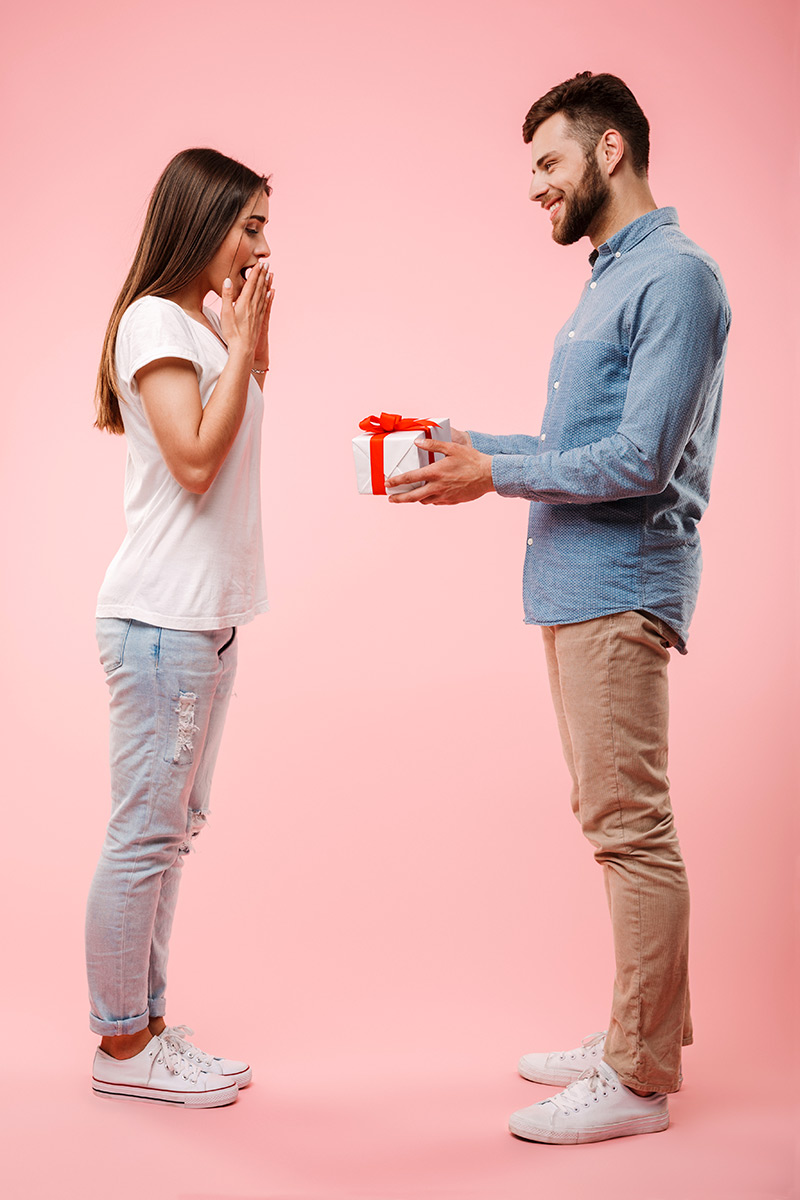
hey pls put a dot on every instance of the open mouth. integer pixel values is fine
(554, 208)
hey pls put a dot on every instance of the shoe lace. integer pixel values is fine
(594, 1039)
(586, 1090)
(178, 1062)
(178, 1036)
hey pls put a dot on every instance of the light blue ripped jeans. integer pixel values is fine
(170, 690)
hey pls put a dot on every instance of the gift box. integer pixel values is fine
(387, 447)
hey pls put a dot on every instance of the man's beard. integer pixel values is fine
(584, 205)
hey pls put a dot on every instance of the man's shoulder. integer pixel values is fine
(675, 255)
(673, 271)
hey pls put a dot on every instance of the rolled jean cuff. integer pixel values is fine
(115, 1028)
(157, 1007)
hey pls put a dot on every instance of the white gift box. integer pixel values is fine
(400, 454)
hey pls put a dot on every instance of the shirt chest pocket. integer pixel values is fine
(588, 396)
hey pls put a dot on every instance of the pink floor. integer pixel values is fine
(393, 900)
(398, 1128)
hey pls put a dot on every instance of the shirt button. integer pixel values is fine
(542, 437)
(592, 285)
(555, 385)
(530, 541)
(617, 254)
(571, 333)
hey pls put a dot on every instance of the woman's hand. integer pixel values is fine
(261, 354)
(243, 322)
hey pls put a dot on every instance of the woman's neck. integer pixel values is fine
(190, 298)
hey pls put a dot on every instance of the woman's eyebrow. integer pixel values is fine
(256, 217)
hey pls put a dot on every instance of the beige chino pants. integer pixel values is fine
(608, 678)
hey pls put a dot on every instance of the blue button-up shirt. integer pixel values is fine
(619, 475)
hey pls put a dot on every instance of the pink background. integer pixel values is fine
(393, 901)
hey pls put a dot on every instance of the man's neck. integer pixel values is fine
(623, 207)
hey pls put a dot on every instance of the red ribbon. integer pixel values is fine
(379, 427)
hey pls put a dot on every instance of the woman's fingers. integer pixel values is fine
(262, 286)
(254, 282)
(250, 313)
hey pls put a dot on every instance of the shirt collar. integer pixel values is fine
(632, 234)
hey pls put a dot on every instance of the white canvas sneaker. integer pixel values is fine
(563, 1067)
(229, 1068)
(161, 1072)
(592, 1109)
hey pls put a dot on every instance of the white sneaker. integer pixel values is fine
(161, 1072)
(563, 1067)
(592, 1109)
(228, 1068)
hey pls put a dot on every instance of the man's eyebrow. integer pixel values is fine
(550, 154)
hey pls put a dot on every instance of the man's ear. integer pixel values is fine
(611, 149)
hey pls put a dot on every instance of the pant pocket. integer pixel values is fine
(112, 634)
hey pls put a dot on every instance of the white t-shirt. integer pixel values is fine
(188, 561)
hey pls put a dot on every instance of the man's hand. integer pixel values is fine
(464, 474)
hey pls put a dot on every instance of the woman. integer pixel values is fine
(185, 388)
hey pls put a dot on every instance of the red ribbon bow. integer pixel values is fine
(379, 427)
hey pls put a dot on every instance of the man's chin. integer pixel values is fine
(566, 237)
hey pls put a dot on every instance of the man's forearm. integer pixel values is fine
(504, 443)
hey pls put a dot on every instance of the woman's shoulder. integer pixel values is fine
(154, 313)
(152, 327)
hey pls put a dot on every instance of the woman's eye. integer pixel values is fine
(251, 231)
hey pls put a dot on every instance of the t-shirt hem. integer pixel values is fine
(127, 612)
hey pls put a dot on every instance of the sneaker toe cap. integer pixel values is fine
(535, 1119)
(538, 1067)
(231, 1068)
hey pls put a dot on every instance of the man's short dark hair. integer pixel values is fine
(592, 104)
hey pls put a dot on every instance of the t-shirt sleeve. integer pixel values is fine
(152, 329)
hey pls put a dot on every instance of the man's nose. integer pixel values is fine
(537, 189)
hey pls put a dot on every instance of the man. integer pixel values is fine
(618, 478)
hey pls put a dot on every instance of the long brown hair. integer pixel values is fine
(193, 207)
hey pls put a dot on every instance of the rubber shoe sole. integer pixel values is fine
(126, 1091)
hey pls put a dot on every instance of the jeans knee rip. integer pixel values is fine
(196, 823)
(186, 725)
